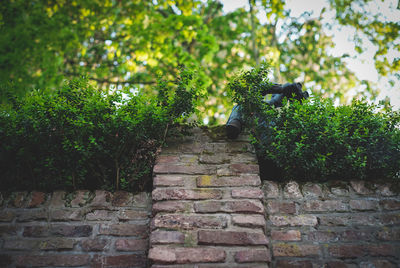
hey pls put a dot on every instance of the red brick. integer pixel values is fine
(167, 159)
(8, 230)
(186, 255)
(167, 237)
(363, 204)
(231, 238)
(122, 199)
(300, 220)
(336, 264)
(6, 216)
(102, 199)
(293, 264)
(295, 250)
(243, 206)
(289, 235)
(237, 181)
(96, 244)
(183, 169)
(168, 180)
(172, 206)
(123, 229)
(36, 199)
(81, 198)
(182, 194)
(281, 207)
(219, 158)
(291, 190)
(131, 244)
(128, 214)
(66, 215)
(347, 251)
(382, 250)
(328, 205)
(60, 260)
(44, 244)
(32, 215)
(248, 193)
(389, 234)
(248, 220)
(101, 215)
(19, 199)
(322, 236)
(390, 219)
(390, 204)
(57, 199)
(58, 230)
(252, 255)
(271, 189)
(188, 222)
(355, 235)
(244, 158)
(131, 260)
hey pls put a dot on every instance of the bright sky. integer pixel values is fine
(363, 65)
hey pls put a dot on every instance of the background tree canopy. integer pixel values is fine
(125, 43)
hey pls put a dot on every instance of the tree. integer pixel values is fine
(130, 43)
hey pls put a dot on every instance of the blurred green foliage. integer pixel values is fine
(128, 43)
(315, 140)
(80, 137)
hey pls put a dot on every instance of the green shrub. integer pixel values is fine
(81, 137)
(315, 140)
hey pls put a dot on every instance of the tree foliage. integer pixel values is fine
(131, 43)
(315, 140)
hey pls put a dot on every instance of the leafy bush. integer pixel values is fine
(317, 141)
(81, 137)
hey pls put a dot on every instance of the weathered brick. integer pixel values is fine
(243, 206)
(188, 222)
(338, 264)
(378, 264)
(96, 244)
(123, 229)
(131, 244)
(363, 204)
(390, 204)
(281, 207)
(66, 214)
(130, 260)
(19, 199)
(231, 238)
(247, 193)
(183, 169)
(389, 219)
(359, 187)
(389, 234)
(271, 189)
(6, 230)
(36, 199)
(355, 235)
(237, 169)
(57, 199)
(182, 194)
(32, 215)
(291, 190)
(293, 264)
(347, 251)
(172, 206)
(102, 199)
(167, 237)
(6, 216)
(312, 190)
(5, 260)
(122, 199)
(58, 230)
(142, 200)
(384, 190)
(252, 255)
(340, 191)
(168, 180)
(328, 205)
(299, 220)
(81, 198)
(383, 250)
(295, 250)
(289, 235)
(248, 220)
(242, 180)
(43, 244)
(244, 158)
(129, 214)
(164, 159)
(218, 158)
(59, 260)
(186, 255)
(333, 220)
(101, 215)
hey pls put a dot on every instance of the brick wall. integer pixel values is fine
(335, 224)
(209, 209)
(80, 229)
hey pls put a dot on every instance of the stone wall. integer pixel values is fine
(80, 229)
(334, 224)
